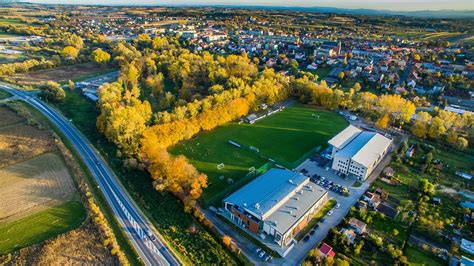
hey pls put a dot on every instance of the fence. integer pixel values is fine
(215, 201)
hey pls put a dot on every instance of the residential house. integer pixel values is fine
(326, 250)
(358, 226)
(372, 199)
(349, 235)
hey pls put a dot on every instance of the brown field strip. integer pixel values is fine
(34, 185)
(58, 74)
(8, 117)
(22, 142)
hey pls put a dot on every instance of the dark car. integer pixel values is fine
(312, 232)
(306, 238)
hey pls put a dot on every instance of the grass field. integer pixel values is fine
(286, 137)
(10, 21)
(417, 257)
(11, 58)
(41, 226)
(4, 94)
(36, 188)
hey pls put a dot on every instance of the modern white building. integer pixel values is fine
(357, 152)
(276, 205)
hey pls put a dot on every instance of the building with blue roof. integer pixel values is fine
(276, 205)
(357, 152)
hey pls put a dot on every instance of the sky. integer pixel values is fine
(397, 5)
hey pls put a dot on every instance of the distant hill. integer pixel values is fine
(335, 10)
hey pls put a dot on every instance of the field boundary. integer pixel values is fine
(123, 241)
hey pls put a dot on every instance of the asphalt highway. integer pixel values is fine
(148, 244)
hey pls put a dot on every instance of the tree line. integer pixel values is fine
(143, 118)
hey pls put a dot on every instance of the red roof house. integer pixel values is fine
(326, 250)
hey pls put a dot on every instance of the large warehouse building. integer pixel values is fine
(276, 205)
(357, 152)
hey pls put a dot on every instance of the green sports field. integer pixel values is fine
(286, 137)
(41, 226)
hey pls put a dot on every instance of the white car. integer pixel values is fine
(338, 206)
(330, 213)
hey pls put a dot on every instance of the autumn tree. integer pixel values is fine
(421, 124)
(461, 143)
(100, 57)
(70, 52)
(400, 109)
(155, 84)
(123, 117)
(74, 40)
(71, 85)
(383, 121)
(341, 75)
(170, 173)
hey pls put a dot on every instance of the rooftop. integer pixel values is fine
(266, 191)
(345, 136)
(363, 147)
(356, 223)
(296, 206)
(371, 151)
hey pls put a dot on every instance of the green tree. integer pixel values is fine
(426, 187)
(52, 91)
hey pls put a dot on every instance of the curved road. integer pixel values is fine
(149, 245)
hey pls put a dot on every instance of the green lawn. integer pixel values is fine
(41, 226)
(417, 257)
(4, 94)
(322, 72)
(286, 137)
(10, 21)
(386, 226)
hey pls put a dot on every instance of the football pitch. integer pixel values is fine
(287, 137)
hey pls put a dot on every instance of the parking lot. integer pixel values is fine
(335, 185)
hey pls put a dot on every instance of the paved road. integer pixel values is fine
(133, 222)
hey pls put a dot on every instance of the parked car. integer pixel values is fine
(338, 206)
(258, 250)
(306, 238)
(261, 254)
(312, 232)
(330, 213)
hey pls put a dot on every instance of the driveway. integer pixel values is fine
(299, 252)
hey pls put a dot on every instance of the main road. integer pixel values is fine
(149, 244)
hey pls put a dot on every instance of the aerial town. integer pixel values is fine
(235, 135)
